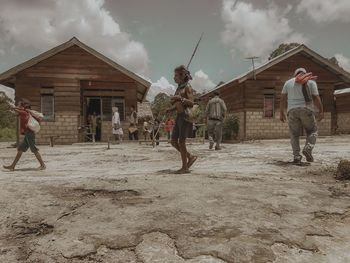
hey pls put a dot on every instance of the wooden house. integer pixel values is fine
(342, 102)
(72, 82)
(255, 96)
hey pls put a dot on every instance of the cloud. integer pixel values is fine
(325, 11)
(254, 31)
(160, 86)
(201, 82)
(8, 91)
(43, 24)
(344, 62)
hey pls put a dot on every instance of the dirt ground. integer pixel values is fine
(243, 204)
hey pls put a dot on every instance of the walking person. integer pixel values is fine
(24, 112)
(133, 129)
(216, 112)
(117, 129)
(182, 99)
(300, 95)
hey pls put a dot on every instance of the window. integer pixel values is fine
(108, 103)
(119, 102)
(48, 104)
(269, 103)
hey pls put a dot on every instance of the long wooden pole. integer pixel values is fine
(195, 50)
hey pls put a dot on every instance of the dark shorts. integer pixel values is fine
(28, 142)
(182, 129)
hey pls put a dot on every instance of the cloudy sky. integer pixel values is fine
(152, 37)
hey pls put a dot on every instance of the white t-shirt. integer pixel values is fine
(295, 94)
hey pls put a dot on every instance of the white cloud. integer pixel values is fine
(325, 10)
(8, 91)
(256, 31)
(201, 82)
(43, 24)
(160, 86)
(344, 62)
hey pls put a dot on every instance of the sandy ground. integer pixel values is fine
(243, 204)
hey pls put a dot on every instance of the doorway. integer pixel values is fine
(93, 116)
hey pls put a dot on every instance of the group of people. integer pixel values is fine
(299, 97)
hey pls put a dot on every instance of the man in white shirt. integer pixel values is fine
(301, 96)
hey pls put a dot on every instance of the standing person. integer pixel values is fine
(93, 125)
(22, 110)
(146, 129)
(183, 99)
(169, 126)
(216, 113)
(300, 94)
(117, 129)
(133, 129)
(155, 132)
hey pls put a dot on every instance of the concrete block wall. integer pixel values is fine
(259, 127)
(65, 126)
(343, 123)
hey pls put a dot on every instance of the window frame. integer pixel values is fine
(269, 97)
(51, 118)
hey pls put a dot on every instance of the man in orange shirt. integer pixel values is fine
(169, 126)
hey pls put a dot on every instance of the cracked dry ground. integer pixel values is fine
(243, 204)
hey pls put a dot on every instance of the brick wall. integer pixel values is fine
(343, 122)
(258, 127)
(65, 126)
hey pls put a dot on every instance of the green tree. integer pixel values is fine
(334, 61)
(7, 119)
(160, 104)
(282, 48)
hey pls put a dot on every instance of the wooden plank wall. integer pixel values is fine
(276, 76)
(343, 103)
(67, 72)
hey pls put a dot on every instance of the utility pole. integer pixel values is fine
(253, 60)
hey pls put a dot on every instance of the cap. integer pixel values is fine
(299, 70)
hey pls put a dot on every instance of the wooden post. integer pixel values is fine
(108, 141)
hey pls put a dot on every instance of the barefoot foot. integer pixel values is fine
(9, 167)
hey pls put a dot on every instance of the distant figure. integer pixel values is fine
(216, 113)
(133, 129)
(117, 129)
(93, 125)
(300, 94)
(146, 129)
(155, 131)
(169, 126)
(183, 99)
(26, 121)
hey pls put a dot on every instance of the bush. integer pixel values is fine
(7, 134)
(231, 127)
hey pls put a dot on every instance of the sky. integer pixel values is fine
(152, 37)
